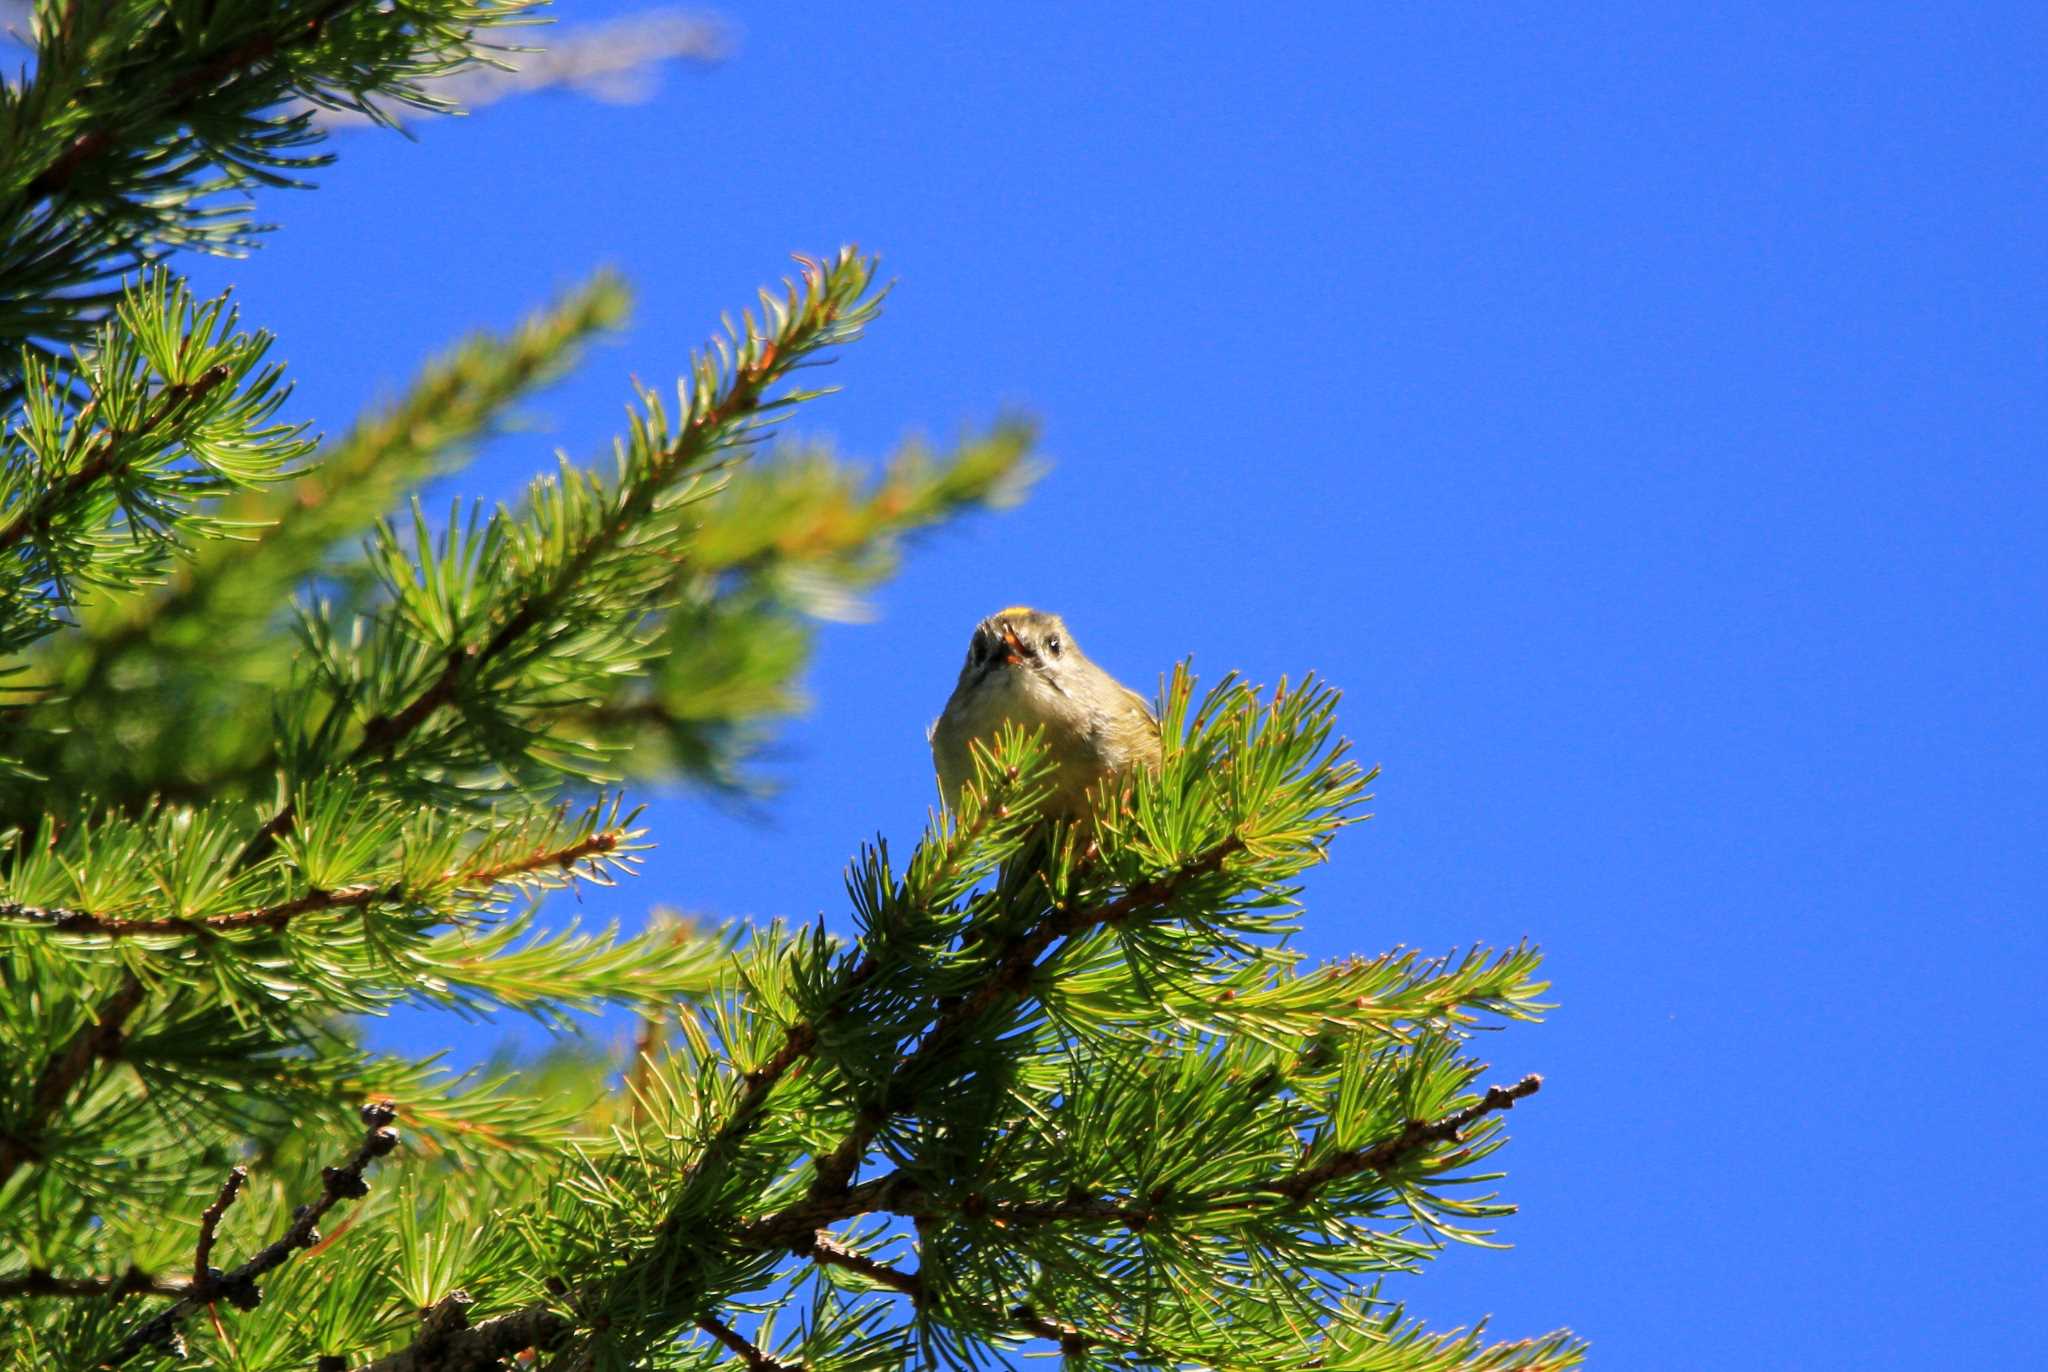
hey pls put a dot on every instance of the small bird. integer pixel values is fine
(1024, 668)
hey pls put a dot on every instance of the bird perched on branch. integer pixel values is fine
(1024, 668)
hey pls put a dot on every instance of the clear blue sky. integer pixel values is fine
(1639, 413)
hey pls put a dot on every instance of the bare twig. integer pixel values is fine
(209, 1223)
(238, 1288)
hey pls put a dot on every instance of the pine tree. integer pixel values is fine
(282, 751)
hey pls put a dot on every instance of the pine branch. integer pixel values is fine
(182, 96)
(103, 460)
(1418, 1137)
(126, 133)
(1002, 973)
(725, 407)
(1009, 977)
(178, 409)
(663, 1284)
(279, 915)
(1074, 1345)
(562, 858)
(705, 432)
(65, 921)
(238, 1287)
(478, 1346)
(754, 1358)
(448, 1340)
(93, 143)
(801, 1038)
(67, 1066)
(896, 1193)
(827, 1250)
(292, 526)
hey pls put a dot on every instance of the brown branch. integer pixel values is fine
(1415, 1137)
(273, 828)
(1383, 1157)
(38, 1281)
(567, 856)
(35, 514)
(238, 1288)
(447, 1316)
(896, 1193)
(824, 1248)
(754, 1358)
(100, 1039)
(209, 1223)
(1072, 1209)
(66, 921)
(791, 1226)
(1073, 1343)
(445, 1322)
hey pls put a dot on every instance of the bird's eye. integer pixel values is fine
(1052, 644)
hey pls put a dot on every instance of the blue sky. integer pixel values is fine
(1639, 413)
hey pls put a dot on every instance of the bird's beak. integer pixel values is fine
(1015, 656)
